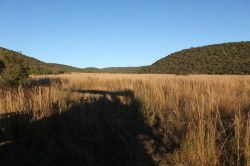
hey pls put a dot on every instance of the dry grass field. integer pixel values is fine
(120, 119)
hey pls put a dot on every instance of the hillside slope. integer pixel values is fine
(36, 66)
(227, 58)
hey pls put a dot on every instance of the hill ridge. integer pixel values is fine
(36, 66)
(225, 58)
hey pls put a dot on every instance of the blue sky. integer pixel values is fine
(104, 33)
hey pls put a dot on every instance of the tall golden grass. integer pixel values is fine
(199, 119)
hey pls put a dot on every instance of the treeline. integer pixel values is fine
(227, 58)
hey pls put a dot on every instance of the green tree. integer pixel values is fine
(13, 71)
(2, 66)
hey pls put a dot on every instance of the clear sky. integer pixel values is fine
(104, 33)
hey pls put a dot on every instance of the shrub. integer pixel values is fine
(13, 72)
(2, 65)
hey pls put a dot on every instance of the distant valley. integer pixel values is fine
(226, 58)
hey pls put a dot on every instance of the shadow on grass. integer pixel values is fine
(104, 131)
(46, 82)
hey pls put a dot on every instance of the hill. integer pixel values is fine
(91, 70)
(36, 66)
(122, 69)
(64, 68)
(227, 58)
(128, 70)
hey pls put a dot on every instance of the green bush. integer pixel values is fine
(2, 66)
(13, 71)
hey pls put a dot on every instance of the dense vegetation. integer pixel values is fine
(227, 58)
(12, 71)
(33, 65)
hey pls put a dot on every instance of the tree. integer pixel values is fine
(2, 66)
(13, 71)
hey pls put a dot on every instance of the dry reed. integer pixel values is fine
(200, 119)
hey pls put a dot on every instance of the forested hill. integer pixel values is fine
(35, 66)
(227, 58)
